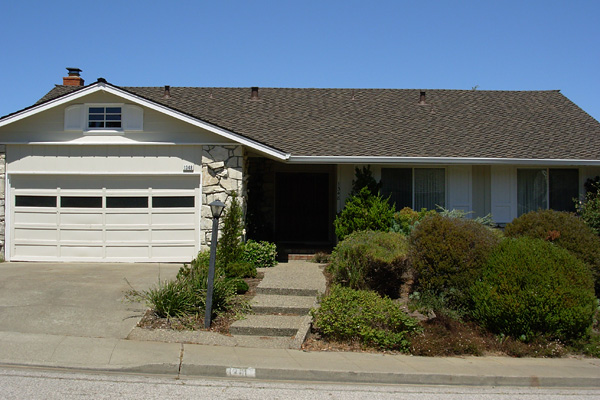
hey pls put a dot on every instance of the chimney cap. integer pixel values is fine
(73, 71)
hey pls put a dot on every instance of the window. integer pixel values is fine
(414, 187)
(127, 202)
(104, 118)
(81, 201)
(35, 201)
(542, 188)
(173, 201)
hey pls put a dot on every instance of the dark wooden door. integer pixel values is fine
(302, 207)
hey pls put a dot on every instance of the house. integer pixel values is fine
(101, 172)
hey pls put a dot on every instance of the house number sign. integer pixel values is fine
(188, 168)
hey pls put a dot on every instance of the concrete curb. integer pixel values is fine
(324, 376)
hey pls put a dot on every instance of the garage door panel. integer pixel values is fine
(179, 235)
(117, 219)
(129, 251)
(39, 218)
(81, 252)
(85, 235)
(80, 218)
(128, 235)
(184, 218)
(35, 251)
(184, 252)
(28, 234)
(105, 218)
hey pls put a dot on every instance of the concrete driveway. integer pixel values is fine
(75, 299)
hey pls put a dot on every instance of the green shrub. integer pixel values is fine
(229, 246)
(405, 220)
(201, 260)
(370, 260)
(170, 299)
(531, 287)
(360, 315)
(362, 212)
(364, 178)
(321, 258)
(240, 269)
(448, 255)
(186, 294)
(563, 229)
(589, 208)
(260, 254)
(241, 286)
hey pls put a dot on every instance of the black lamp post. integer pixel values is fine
(216, 207)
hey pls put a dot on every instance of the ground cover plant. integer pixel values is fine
(371, 260)
(365, 317)
(565, 230)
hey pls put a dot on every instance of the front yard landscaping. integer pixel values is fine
(462, 286)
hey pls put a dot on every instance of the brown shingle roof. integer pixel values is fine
(390, 122)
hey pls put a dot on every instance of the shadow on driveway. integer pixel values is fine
(75, 299)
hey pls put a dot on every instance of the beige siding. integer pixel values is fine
(48, 126)
(141, 159)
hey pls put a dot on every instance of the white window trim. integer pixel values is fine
(102, 131)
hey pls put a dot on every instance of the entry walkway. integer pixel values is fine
(281, 308)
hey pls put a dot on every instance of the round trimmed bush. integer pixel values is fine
(449, 253)
(563, 229)
(532, 287)
(371, 260)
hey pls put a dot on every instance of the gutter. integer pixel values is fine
(437, 160)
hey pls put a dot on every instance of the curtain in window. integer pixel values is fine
(430, 188)
(564, 187)
(532, 190)
(396, 183)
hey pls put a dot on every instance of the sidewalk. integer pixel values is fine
(191, 360)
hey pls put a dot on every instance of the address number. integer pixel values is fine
(188, 168)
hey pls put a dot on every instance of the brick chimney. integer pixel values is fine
(73, 79)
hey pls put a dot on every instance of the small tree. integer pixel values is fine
(362, 212)
(364, 178)
(229, 248)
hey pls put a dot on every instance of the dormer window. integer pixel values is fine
(104, 118)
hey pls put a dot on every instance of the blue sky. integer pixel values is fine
(499, 45)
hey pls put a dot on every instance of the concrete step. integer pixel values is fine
(280, 304)
(286, 291)
(267, 325)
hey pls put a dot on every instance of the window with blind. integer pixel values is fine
(414, 187)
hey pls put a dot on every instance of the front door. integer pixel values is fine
(302, 207)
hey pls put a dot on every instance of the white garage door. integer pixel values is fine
(102, 218)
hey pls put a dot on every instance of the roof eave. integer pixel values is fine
(437, 160)
(115, 90)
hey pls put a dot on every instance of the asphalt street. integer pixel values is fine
(32, 383)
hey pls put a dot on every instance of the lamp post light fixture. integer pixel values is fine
(216, 208)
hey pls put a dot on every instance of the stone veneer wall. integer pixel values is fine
(2, 186)
(222, 174)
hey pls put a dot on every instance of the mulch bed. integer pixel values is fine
(220, 324)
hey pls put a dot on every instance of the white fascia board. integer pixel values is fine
(100, 86)
(435, 160)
